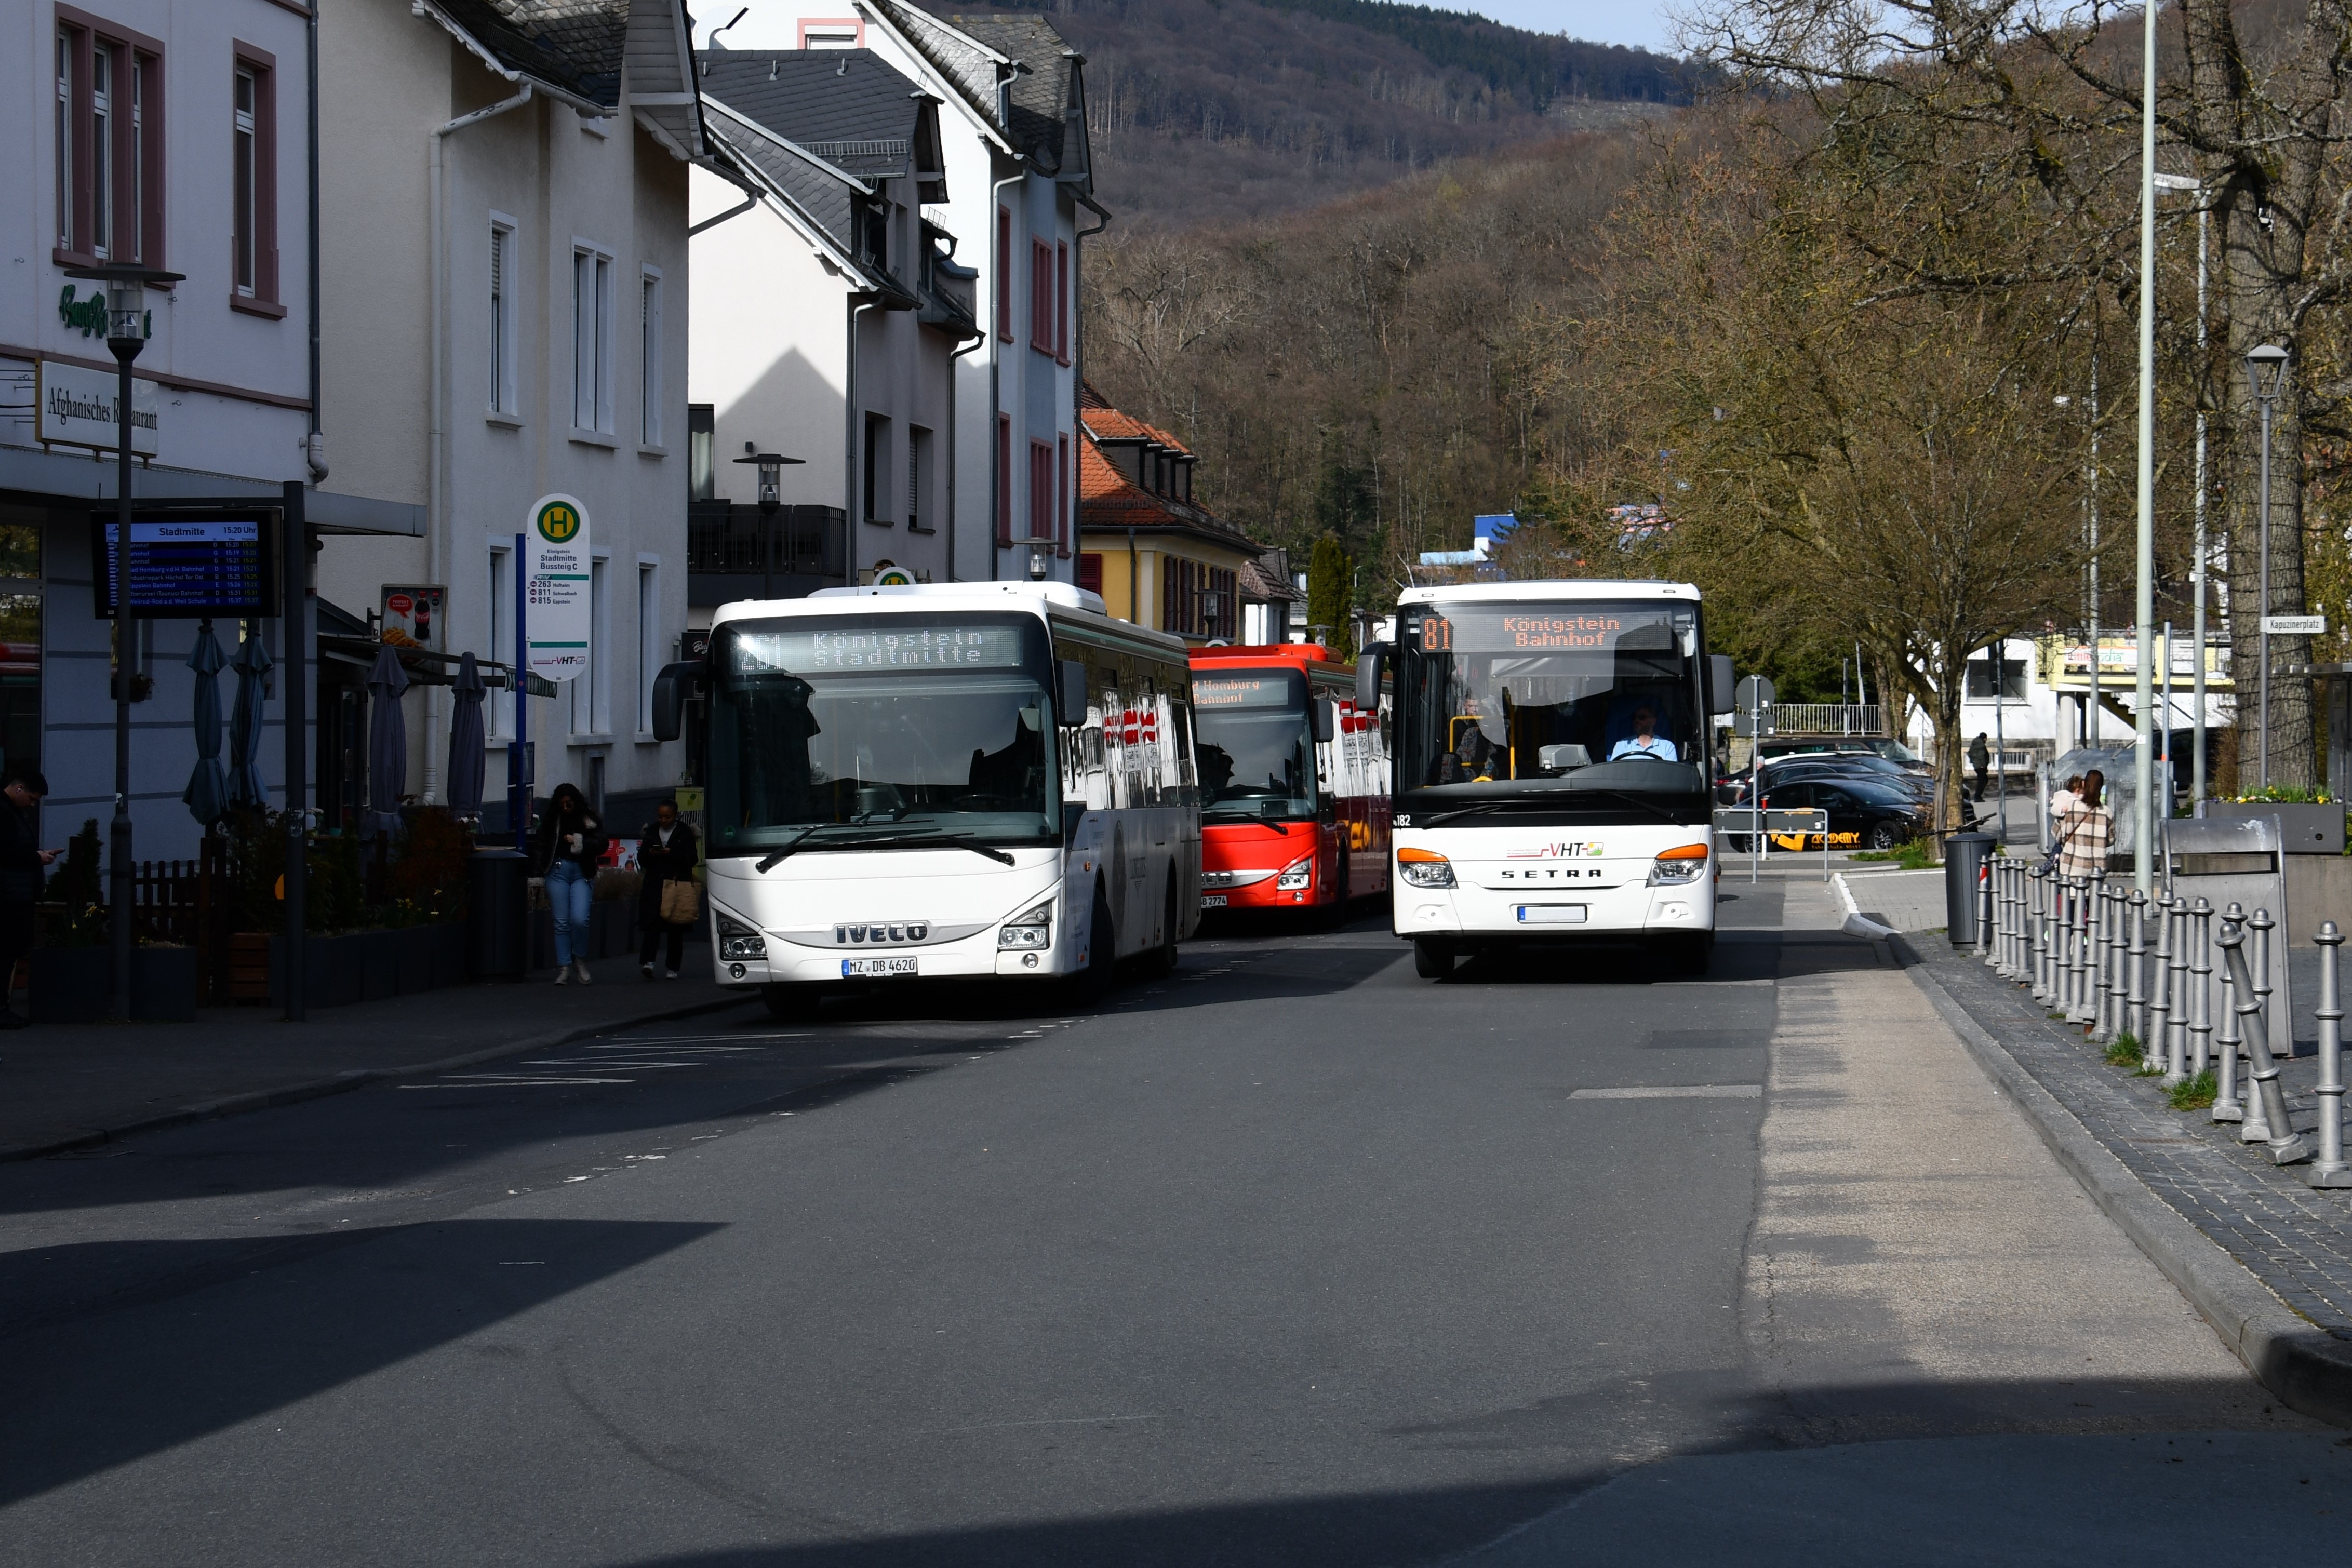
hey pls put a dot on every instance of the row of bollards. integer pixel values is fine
(2120, 962)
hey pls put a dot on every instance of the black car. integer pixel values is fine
(1783, 748)
(1863, 813)
(1876, 770)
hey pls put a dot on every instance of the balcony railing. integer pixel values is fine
(1824, 718)
(798, 550)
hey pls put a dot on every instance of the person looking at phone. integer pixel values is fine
(570, 844)
(22, 862)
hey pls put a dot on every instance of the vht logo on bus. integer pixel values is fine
(912, 931)
(1574, 850)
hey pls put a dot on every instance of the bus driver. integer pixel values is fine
(1644, 741)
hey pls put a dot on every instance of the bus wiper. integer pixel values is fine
(1460, 812)
(769, 863)
(958, 840)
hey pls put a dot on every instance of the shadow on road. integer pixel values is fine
(111, 1387)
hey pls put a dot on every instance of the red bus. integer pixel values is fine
(1293, 780)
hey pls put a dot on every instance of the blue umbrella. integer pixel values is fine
(208, 793)
(469, 747)
(246, 785)
(388, 740)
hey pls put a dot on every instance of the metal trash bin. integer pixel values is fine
(1965, 858)
(496, 909)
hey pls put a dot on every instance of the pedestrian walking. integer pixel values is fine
(1981, 758)
(570, 843)
(2085, 829)
(669, 902)
(22, 862)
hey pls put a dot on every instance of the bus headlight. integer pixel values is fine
(1295, 875)
(1684, 863)
(737, 940)
(1029, 928)
(1425, 868)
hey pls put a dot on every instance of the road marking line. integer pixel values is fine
(1676, 1092)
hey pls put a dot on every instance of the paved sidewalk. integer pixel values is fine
(2296, 1242)
(62, 1086)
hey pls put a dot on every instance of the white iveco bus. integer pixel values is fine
(1552, 769)
(968, 780)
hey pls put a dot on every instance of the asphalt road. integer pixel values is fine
(1289, 1259)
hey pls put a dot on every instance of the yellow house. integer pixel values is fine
(1157, 558)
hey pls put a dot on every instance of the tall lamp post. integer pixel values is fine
(2197, 733)
(772, 473)
(2144, 600)
(126, 334)
(2265, 371)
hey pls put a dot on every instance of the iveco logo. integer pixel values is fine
(855, 936)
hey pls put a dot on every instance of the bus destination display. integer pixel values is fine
(185, 566)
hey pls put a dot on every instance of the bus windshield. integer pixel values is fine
(1530, 694)
(894, 726)
(1256, 752)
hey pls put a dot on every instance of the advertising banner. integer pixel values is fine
(413, 615)
(557, 619)
(76, 409)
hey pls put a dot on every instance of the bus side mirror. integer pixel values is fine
(1368, 676)
(1326, 720)
(1070, 694)
(671, 688)
(1721, 688)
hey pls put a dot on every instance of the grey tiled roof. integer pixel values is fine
(845, 105)
(575, 45)
(965, 46)
(824, 198)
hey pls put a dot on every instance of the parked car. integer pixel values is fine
(1863, 813)
(1862, 766)
(1892, 751)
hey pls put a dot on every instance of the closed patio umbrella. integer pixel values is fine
(468, 746)
(246, 785)
(206, 797)
(388, 740)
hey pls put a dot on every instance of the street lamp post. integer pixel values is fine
(2265, 371)
(126, 334)
(2197, 732)
(771, 470)
(2144, 602)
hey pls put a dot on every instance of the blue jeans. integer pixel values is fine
(571, 890)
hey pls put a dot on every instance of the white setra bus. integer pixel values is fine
(1552, 774)
(938, 781)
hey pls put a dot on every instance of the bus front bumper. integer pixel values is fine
(1539, 915)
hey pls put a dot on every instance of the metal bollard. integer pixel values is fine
(2078, 967)
(2201, 983)
(2175, 1018)
(1985, 943)
(2329, 1169)
(2104, 1026)
(2268, 1100)
(2135, 1018)
(2259, 1128)
(2038, 972)
(2095, 1000)
(2226, 1107)
(2008, 890)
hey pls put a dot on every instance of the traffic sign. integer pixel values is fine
(558, 614)
(2295, 625)
(1756, 691)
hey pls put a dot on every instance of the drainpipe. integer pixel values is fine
(852, 506)
(1001, 264)
(437, 479)
(952, 400)
(1134, 583)
(1078, 356)
(316, 452)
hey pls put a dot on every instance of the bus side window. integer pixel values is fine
(1180, 737)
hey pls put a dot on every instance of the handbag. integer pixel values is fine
(681, 902)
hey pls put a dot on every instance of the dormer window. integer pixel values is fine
(874, 235)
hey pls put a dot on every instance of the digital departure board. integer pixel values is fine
(187, 565)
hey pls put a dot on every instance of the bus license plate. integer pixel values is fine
(861, 968)
(1213, 900)
(1551, 914)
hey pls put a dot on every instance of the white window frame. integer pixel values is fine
(102, 171)
(650, 351)
(591, 691)
(499, 708)
(592, 340)
(506, 400)
(67, 169)
(649, 640)
(244, 181)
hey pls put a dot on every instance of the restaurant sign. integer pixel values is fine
(76, 409)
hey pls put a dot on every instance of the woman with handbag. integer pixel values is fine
(2085, 829)
(668, 900)
(571, 842)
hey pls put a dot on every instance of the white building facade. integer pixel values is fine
(171, 134)
(1018, 203)
(503, 234)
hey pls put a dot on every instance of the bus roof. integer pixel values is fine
(1044, 600)
(1567, 591)
(1306, 655)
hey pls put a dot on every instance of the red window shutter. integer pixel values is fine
(1062, 495)
(1062, 303)
(1041, 491)
(1041, 296)
(1003, 478)
(1004, 274)
(1090, 572)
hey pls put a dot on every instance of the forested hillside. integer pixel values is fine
(1210, 110)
